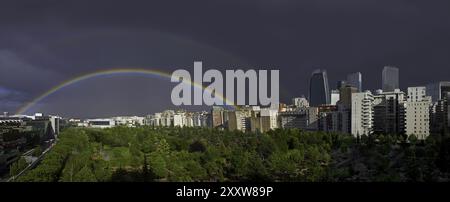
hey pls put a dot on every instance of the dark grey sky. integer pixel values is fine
(43, 43)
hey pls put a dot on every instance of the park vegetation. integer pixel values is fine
(204, 154)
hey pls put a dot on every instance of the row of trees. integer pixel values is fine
(204, 154)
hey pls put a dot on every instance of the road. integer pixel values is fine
(34, 163)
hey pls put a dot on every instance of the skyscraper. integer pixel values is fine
(390, 78)
(440, 114)
(355, 80)
(345, 96)
(438, 90)
(344, 108)
(319, 92)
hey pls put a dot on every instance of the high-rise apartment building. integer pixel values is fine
(440, 115)
(389, 112)
(362, 113)
(328, 119)
(344, 106)
(418, 112)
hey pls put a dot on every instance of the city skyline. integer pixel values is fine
(318, 84)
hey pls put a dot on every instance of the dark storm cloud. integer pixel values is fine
(16, 72)
(61, 39)
(10, 98)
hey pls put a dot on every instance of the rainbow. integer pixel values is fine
(117, 71)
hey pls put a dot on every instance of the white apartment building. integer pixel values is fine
(188, 120)
(417, 112)
(180, 118)
(154, 120)
(334, 97)
(199, 119)
(167, 118)
(100, 123)
(129, 121)
(300, 102)
(272, 115)
(362, 113)
(242, 122)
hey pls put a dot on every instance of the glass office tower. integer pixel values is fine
(355, 80)
(390, 78)
(319, 92)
